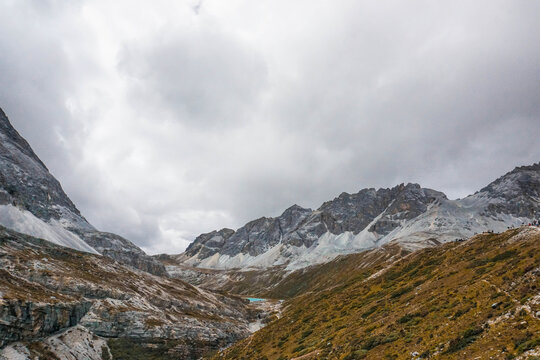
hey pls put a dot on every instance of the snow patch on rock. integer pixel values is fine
(25, 222)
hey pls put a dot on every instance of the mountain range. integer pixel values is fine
(414, 216)
(32, 202)
(377, 274)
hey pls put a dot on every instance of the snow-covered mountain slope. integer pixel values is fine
(413, 216)
(25, 222)
(32, 202)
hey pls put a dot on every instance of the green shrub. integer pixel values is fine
(464, 340)
(105, 353)
(370, 311)
(401, 291)
(377, 340)
(405, 319)
(503, 256)
(528, 345)
(358, 354)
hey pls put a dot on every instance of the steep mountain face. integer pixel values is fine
(383, 210)
(120, 249)
(415, 216)
(509, 201)
(53, 298)
(33, 202)
(476, 299)
(210, 243)
(517, 193)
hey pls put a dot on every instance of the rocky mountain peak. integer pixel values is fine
(533, 167)
(26, 181)
(10, 134)
(354, 212)
(295, 208)
(523, 180)
(205, 243)
(516, 193)
(291, 217)
(33, 202)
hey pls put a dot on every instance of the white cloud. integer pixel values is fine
(169, 119)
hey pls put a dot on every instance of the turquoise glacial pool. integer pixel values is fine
(255, 299)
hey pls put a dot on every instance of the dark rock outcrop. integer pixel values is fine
(516, 193)
(29, 320)
(121, 250)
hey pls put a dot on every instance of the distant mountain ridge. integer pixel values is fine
(414, 216)
(33, 202)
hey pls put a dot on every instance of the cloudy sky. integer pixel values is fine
(170, 118)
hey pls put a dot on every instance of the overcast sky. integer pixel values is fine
(164, 119)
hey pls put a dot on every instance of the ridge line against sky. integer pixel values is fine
(166, 121)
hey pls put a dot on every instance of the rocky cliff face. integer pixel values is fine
(74, 343)
(516, 193)
(26, 182)
(413, 215)
(32, 201)
(24, 320)
(46, 288)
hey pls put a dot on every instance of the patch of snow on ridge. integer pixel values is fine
(325, 249)
(452, 220)
(25, 222)
(329, 246)
(217, 261)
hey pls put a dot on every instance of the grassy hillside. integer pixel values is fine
(470, 300)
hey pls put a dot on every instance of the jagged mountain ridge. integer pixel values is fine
(33, 202)
(515, 193)
(415, 216)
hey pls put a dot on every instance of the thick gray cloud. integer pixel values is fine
(169, 120)
(206, 79)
